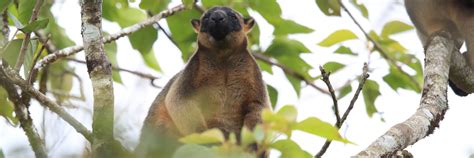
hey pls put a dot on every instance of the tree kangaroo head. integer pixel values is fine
(222, 27)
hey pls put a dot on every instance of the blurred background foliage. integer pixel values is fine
(405, 70)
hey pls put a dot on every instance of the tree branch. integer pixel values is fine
(378, 47)
(289, 72)
(125, 32)
(325, 78)
(26, 40)
(362, 80)
(433, 105)
(137, 73)
(15, 78)
(23, 115)
(100, 73)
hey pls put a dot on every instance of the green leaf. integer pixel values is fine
(290, 27)
(361, 7)
(25, 9)
(4, 5)
(111, 52)
(282, 121)
(130, 16)
(193, 150)
(265, 66)
(269, 9)
(344, 50)
(394, 27)
(287, 52)
(11, 52)
(333, 66)
(6, 107)
(370, 93)
(150, 61)
(273, 93)
(329, 7)
(338, 37)
(35, 26)
(296, 83)
(182, 31)
(289, 148)
(15, 20)
(396, 79)
(58, 35)
(247, 137)
(29, 56)
(207, 137)
(155, 6)
(320, 128)
(60, 80)
(143, 39)
(344, 91)
(188, 3)
(288, 112)
(210, 3)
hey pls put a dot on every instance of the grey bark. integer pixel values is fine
(100, 73)
(433, 103)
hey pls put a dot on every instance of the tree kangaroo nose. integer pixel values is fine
(218, 17)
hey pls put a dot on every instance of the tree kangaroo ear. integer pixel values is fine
(248, 24)
(196, 25)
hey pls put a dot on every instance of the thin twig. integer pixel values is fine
(362, 80)
(33, 72)
(4, 27)
(140, 74)
(379, 48)
(26, 40)
(325, 78)
(289, 71)
(22, 113)
(53, 106)
(125, 32)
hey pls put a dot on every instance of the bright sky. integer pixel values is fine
(133, 98)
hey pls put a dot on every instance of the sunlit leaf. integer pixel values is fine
(150, 60)
(296, 83)
(361, 7)
(15, 21)
(35, 25)
(207, 137)
(320, 128)
(329, 7)
(247, 137)
(289, 148)
(193, 150)
(273, 93)
(333, 66)
(188, 3)
(25, 9)
(394, 27)
(344, 50)
(370, 93)
(338, 37)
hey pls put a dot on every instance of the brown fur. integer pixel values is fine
(220, 87)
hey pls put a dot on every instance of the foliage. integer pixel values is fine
(212, 143)
(283, 50)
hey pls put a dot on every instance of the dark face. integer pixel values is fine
(219, 22)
